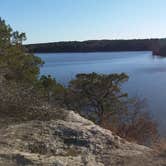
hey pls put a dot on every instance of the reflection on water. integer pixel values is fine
(147, 74)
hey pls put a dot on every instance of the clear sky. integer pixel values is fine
(61, 20)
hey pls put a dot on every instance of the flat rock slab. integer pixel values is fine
(72, 141)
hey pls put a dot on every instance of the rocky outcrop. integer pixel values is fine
(68, 141)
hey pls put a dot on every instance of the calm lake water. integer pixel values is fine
(147, 74)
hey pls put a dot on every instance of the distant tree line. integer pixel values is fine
(95, 46)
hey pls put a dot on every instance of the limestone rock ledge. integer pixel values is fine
(72, 141)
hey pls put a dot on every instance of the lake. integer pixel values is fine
(147, 74)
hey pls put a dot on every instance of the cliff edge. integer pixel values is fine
(69, 141)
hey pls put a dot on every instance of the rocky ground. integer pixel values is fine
(70, 141)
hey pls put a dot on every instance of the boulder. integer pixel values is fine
(69, 141)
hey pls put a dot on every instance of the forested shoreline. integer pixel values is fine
(95, 46)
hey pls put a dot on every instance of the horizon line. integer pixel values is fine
(95, 40)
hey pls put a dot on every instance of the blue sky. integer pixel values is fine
(61, 20)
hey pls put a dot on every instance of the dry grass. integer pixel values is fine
(160, 148)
